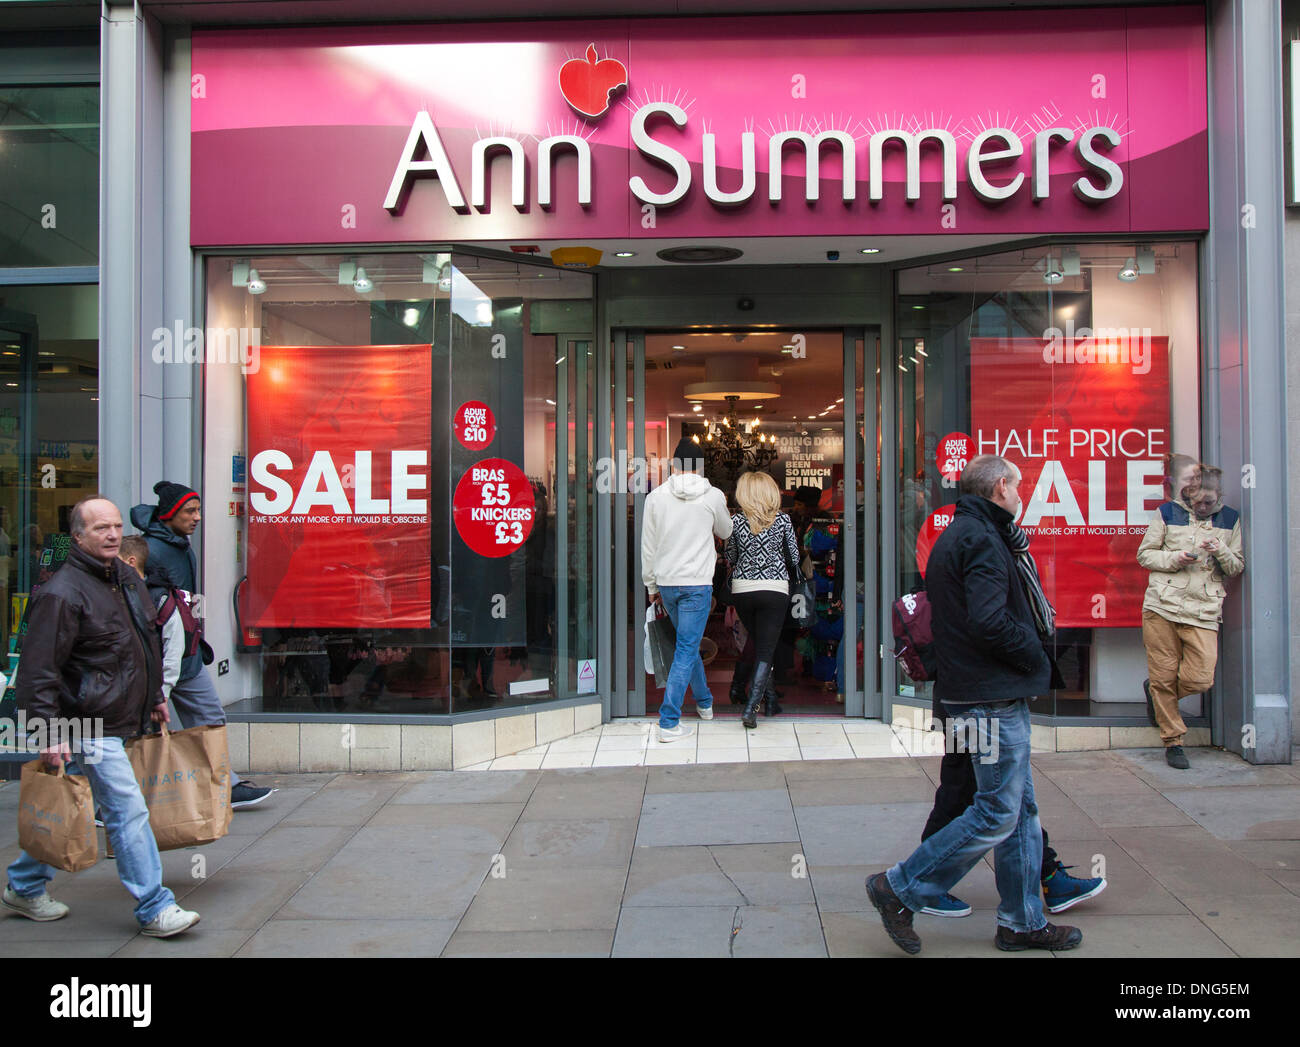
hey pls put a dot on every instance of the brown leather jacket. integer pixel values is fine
(92, 648)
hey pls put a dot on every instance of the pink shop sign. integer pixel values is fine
(1065, 121)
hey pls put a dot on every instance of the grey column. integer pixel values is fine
(145, 270)
(1245, 375)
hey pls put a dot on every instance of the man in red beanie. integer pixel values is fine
(167, 526)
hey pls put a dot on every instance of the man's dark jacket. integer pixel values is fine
(985, 641)
(92, 647)
(170, 552)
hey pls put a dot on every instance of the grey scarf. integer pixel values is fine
(1044, 613)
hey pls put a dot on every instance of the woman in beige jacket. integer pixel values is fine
(1192, 545)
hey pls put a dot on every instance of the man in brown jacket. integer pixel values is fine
(1192, 545)
(92, 655)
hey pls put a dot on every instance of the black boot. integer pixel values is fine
(740, 682)
(771, 707)
(757, 689)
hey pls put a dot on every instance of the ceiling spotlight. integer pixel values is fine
(956, 268)
(870, 250)
(1052, 272)
(362, 284)
(1129, 273)
(624, 254)
(411, 316)
(256, 285)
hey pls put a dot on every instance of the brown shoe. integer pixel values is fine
(1058, 939)
(896, 916)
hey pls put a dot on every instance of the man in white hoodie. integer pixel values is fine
(678, 555)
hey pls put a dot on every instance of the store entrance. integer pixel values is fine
(789, 403)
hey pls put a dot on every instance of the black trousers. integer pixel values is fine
(763, 614)
(956, 792)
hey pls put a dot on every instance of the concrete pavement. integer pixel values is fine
(729, 859)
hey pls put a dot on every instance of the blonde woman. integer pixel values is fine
(761, 545)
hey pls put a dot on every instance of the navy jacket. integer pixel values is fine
(172, 553)
(986, 645)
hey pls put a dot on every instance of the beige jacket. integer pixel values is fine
(1191, 595)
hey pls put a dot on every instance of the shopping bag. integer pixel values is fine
(660, 643)
(185, 779)
(56, 818)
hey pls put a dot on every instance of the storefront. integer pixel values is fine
(457, 290)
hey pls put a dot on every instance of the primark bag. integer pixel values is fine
(56, 817)
(185, 779)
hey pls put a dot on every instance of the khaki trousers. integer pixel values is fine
(1180, 661)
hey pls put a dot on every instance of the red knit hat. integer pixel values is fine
(171, 497)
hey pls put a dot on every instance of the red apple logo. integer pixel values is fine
(588, 85)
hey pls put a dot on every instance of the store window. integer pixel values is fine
(49, 433)
(1081, 364)
(383, 429)
(49, 175)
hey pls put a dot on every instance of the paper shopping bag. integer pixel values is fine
(185, 778)
(56, 818)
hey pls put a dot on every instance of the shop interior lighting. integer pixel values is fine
(1129, 273)
(256, 285)
(411, 316)
(956, 268)
(870, 250)
(624, 254)
(1052, 272)
(362, 284)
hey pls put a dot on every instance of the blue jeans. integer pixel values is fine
(126, 820)
(196, 702)
(1004, 817)
(688, 607)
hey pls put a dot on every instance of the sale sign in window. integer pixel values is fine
(1086, 420)
(339, 487)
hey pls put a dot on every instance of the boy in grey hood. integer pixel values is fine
(678, 556)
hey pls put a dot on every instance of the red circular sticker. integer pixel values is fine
(955, 452)
(475, 425)
(494, 507)
(934, 526)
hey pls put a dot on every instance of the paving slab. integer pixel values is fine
(1141, 937)
(587, 944)
(1188, 860)
(666, 931)
(849, 791)
(741, 816)
(458, 787)
(202, 942)
(1126, 810)
(861, 834)
(349, 938)
(571, 843)
(1209, 767)
(715, 778)
(350, 799)
(1243, 812)
(824, 770)
(778, 930)
(495, 819)
(679, 877)
(1254, 924)
(557, 899)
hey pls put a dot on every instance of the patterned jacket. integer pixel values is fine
(762, 557)
(1191, 595)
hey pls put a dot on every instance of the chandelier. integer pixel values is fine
(732, 446)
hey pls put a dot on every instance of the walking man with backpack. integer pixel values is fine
(167, 527)
(991, 661)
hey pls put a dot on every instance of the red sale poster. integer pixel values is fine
(339, 488)
(1087, 422)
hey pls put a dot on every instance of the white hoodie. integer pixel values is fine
(681, 519)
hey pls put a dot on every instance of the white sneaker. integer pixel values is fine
(705, 714)
(42, 908)
(172, 920)
(674, 734)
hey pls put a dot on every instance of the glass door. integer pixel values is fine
(790, 404)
